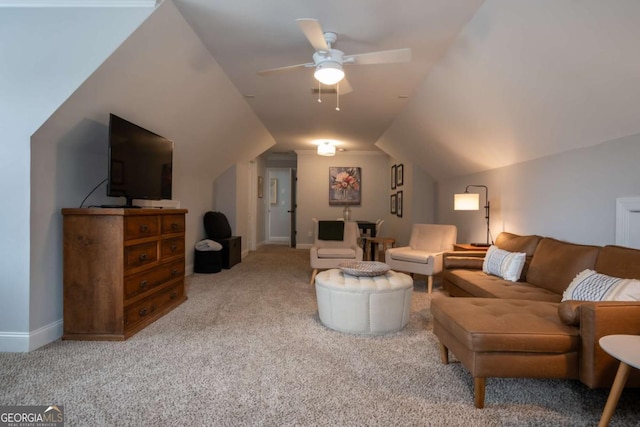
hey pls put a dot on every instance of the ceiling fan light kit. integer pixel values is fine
(329, 73)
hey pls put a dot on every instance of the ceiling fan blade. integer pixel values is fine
(287, 68)
(313, 31)
(381, 57)
(345, 87)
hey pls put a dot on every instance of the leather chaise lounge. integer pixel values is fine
(500, 328)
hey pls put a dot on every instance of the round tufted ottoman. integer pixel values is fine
(364, 305)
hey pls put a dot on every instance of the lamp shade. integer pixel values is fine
(326, 149)
(466, 202)
(329, 73)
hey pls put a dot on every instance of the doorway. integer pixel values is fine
(281, 219)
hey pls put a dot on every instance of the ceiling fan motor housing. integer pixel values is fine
(334, 55)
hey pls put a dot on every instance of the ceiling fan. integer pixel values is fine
(328, 62)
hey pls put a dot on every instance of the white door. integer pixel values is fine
(279, 218)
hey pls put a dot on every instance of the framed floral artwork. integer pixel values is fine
(345, 185)
(394, 204)
(399, 205)
(400, 175)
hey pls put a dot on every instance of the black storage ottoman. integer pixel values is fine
(231, 251)
(207, 261)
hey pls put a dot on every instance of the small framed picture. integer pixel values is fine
(393, 177)
(394, 204)
(399, 205)
(400, 175)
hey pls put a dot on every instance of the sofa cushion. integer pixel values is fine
(514, 243)
(619, 261)
(592, 286)
(479, 284)
(556, 263)
(496, 325)
(504, 264)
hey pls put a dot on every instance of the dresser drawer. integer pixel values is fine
(136, 227)
(172, 247)
(149, 306)
(172, 224)
(142, 282)
(139, 255)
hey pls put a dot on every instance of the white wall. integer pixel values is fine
(569, 196)
(165, 80)
(46, 53)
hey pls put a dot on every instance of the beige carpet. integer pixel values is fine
(247, 348)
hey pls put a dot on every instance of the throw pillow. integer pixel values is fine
(504, 264)
(592, 286)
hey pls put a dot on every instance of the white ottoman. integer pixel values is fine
(364, 305)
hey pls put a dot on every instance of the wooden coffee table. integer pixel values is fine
(625, 348)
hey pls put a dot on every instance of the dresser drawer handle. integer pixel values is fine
(174, 272)
(174, 248)
(144, 284)
(174, 226)
(144, 228)
(173, 295)
(143, 257)
(143, 312)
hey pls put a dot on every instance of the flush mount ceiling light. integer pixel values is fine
(326, 149)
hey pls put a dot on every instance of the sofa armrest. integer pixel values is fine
(569, 312)
(468, 260)
(598, 319)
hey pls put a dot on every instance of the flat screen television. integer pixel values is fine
(140, 163)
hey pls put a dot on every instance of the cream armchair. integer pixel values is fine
(330, 253)
(424, 253)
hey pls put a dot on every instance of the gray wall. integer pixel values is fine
(46, 53)
(569, 196)
(313, 189)
(161, 78)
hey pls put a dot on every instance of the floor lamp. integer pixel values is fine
(471, 202)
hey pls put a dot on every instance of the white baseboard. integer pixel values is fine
(23, 342)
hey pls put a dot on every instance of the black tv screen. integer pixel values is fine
(140, 162)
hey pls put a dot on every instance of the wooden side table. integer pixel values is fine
(371, 246)
(625, 348)
(469, 247)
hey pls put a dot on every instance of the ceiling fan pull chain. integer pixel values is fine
(319, 91)
(338, 96)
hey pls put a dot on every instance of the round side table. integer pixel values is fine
(625, 348)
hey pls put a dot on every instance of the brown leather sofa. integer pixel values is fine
(522, 329)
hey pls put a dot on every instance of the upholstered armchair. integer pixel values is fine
(336, 242)
(424, 254)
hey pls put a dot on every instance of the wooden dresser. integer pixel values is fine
(123, 269)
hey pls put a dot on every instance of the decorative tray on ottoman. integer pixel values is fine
(364, 268)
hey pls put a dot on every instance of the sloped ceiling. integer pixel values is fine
(525, 79)
(492, 83)
(248, 36)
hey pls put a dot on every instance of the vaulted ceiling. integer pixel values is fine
(490, 83)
